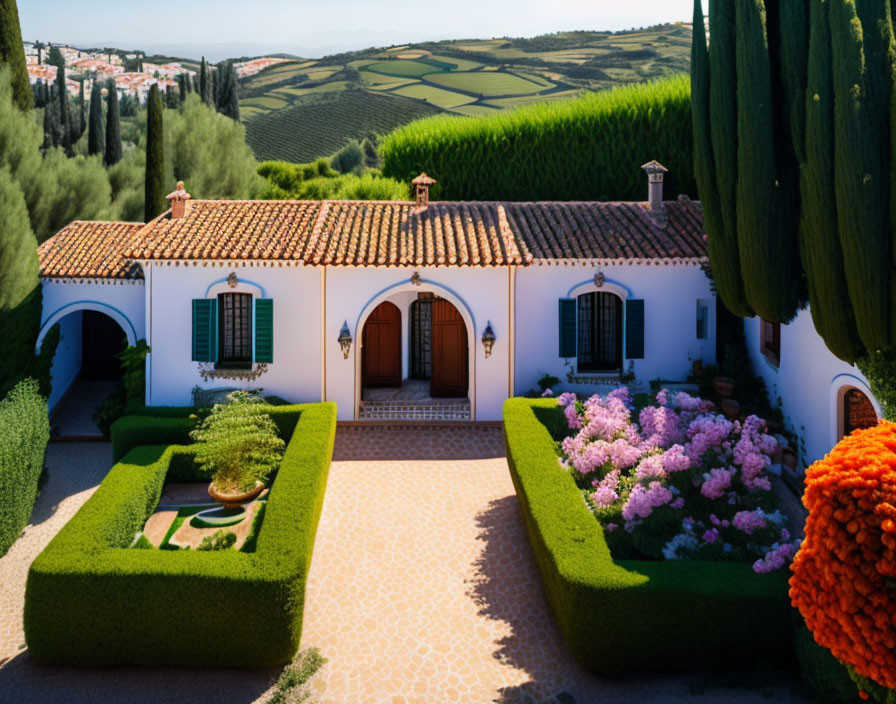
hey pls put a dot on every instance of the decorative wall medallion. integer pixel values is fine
(232, 280)
(599, 279)
(415, 279)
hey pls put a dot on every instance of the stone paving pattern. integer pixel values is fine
(422, 589)
(74, 416)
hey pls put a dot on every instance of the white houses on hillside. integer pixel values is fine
(392, 309)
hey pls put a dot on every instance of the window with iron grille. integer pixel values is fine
(599, 332)
(235, 330)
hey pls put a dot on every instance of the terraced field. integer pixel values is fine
(303, 110)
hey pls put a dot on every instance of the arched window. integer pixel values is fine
(599, 327)
(857, 412)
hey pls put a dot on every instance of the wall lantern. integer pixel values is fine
(488, 339)
(345, 340)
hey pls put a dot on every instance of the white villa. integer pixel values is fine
(421, 310)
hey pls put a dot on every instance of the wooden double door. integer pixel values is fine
(382, 351)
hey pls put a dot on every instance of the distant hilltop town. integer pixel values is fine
(132, 75)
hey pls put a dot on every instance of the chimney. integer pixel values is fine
(655, 171)
(421, 186)
(180, 202)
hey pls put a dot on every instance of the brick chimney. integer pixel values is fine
(421, 186)
(655, 172)
(180, 202)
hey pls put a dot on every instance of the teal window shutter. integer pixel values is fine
(567, 327)
(634, 329)
(264, 330)
(205, 329)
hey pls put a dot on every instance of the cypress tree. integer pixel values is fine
(182, 86)
(113, 126)
(205, 92)
(12, 52)
(96, 131)
(820, 251)
(725, 267)
(83, 112)
(64, 119)
(724, 254)
(229, 102)
(767, 250)
(861, 168)
(171, 98)
(155, 155)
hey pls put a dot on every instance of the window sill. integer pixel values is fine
(208, 371)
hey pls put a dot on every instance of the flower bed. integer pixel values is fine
(92, 601)
(683, 482)
(622, 617)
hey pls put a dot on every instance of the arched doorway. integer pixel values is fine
(856, 412)
(381, 347)
(450, 373)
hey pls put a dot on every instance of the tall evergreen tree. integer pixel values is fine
(12, 52)
(55, 57)
(767, 251)
(96, 130)
(205, 89)
(861, 148)
(155, 155)
(182, 86)
(722, 128)
(82, 112)
(820, 251)
(113, 126)
(64, 117)
(229, 101)
(171, 98)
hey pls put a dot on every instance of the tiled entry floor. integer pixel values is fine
(411, 401)
(423, 587)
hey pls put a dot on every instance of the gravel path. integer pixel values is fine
(422, 589)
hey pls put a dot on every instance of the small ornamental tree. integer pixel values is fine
(843, 574)
(238, 443)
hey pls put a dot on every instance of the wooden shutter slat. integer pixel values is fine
(634, 329)
(567, 318)
(264, 330)
(205, 323)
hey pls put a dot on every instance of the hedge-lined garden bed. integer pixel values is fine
(92, 601)
(623, 617)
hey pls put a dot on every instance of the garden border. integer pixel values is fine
(92, 601)
(624, 617)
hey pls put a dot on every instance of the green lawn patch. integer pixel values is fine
(404, 68)
(436, 96)
(626, 617)
(92, 601)
(485, 83)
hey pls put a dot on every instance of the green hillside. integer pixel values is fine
(302, 110)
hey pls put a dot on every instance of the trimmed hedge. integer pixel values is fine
(625, 617)
(92, 601)
(24, 434)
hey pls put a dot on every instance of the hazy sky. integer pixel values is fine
(295, 25)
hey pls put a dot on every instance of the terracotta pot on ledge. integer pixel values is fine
(723, 385)
(235, 500)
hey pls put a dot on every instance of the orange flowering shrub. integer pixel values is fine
(843, 575)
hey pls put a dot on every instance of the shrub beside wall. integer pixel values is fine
(623, 617)
(587, 148)
(24, 434)
(92, 601)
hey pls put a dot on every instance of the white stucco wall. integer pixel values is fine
(670, 295)
(808, 384)
(480, 294)
(295, 371)
(63, 302)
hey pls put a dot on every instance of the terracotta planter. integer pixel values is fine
(730, 408)
(723, 385)
(235, 500)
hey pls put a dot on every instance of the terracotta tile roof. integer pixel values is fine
(382, 233)
(609, 231)
(90, 250)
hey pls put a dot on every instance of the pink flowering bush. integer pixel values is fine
(681, 482)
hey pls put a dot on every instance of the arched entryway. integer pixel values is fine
(414, 359)
(856, 412)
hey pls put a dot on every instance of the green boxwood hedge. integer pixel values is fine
(24, 434)
(92, 601)
(624, 617)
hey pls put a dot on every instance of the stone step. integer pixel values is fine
(432, 410)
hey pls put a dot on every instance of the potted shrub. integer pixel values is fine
(238, 445)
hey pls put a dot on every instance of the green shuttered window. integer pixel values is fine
(634, 329)
(205, 326)
(567, 327)
(264, 330)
